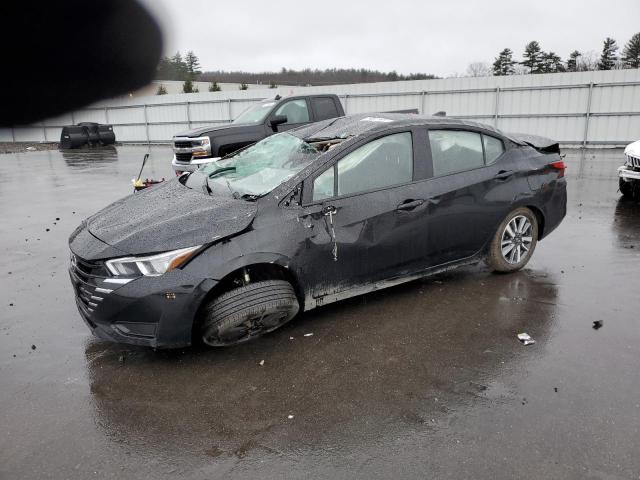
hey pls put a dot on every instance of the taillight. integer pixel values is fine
(560, 166)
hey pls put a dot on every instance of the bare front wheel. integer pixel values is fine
(514, 241)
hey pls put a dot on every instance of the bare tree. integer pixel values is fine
(478, 69)
(519, 69)
(588, 61)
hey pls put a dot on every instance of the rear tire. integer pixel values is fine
(514, 242)
(248, 312)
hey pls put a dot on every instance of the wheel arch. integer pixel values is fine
(540, 218)
(259, 266)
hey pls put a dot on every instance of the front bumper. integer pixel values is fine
(628, 173)
(157, 312)
(192, 165)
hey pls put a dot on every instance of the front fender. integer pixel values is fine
(219, 260)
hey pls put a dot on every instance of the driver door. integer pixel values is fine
(365, 219)
(297, 113)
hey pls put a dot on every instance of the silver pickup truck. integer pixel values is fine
(629, 173)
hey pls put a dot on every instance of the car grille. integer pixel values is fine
(183, 157)
(85, 277)
(633, 161)
(182, 144)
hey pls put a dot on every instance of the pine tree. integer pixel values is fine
(533, 57)
(504, 63)
(193, 64)
(272, 84)
(631, 53)
(244, 86)
(214, 87)
(161, 90)
(572, 63)
(187, 86)
(179, 67)
(551, 63)
(609, 56)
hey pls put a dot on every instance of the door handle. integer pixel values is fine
(503, 174)
(329, 210)
(409, 205)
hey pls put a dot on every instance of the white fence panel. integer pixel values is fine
(582, 108)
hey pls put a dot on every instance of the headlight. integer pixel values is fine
(153, 265)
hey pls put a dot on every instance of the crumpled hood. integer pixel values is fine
(167, 217)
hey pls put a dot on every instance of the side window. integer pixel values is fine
(455, 151)
(493, 148)
(323, 185)
(324, 108)
(295, 110)
(384, 162)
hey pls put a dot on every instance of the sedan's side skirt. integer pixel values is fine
(344, 293)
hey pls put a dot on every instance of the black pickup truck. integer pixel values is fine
(195, 147)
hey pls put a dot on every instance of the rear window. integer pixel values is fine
(324, 107)
(455, 151)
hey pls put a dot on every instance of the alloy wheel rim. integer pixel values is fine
(516, 240)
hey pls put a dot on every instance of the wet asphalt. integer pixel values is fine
(424, 380)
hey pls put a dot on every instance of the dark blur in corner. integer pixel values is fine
(60, 56)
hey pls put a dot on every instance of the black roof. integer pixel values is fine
(355, 125)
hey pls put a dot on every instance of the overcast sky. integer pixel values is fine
(440, 37)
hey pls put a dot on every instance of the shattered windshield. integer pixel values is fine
(255, 114)
(260, 168)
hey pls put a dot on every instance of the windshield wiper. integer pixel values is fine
(251, 197)
(220, 170)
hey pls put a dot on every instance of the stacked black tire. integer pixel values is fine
(87, 134)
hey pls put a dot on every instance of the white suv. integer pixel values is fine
(629, 173)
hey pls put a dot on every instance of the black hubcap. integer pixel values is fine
(251, 328)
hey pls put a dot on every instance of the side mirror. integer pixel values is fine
(278, 120)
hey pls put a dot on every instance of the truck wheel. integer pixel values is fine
(248, 312)
(626, 188)
(514, 241)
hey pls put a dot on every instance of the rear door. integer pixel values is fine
(363, 216)
(471, 191)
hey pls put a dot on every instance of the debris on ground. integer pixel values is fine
(121, 359)
(290, 417)
(598, 324)
(261, 363)
(33, 347)
(290, 338)
(308, 334)
(526, 339)
(555, 389)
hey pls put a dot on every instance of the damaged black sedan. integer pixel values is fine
(308, 217)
